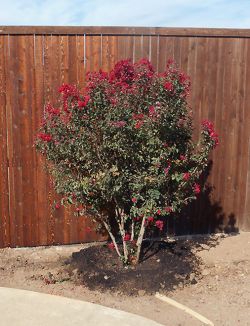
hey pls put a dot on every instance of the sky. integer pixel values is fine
(154, 13)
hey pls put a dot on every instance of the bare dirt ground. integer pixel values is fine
(221, 291)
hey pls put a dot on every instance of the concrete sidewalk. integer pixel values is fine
(26, 308)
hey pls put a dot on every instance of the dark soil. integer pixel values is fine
(164, 266)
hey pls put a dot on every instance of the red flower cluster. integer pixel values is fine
(126, 76)
(94, 79)
(137, 218)
(196, 188)
(138, 124)
(57, 205)
(84, 103)
(113, 101)
(173, 73)
(169, 209)
(145, 62)
(183, 78)
(170, 63)
(127, 237)
(134, 200)
(123, 71)
(186, 176)
(150, 219)
(139, 116)
(111, 246)
(151, 111)
(185, 82)
(144, 69)
(49, 108)
(169, 86)
(209, 127)
(159, 224)
(166, 170)
(45, 137)
(68, 91)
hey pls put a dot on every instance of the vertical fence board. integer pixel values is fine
(14, 128)
(41, 177)
(80, 60)
(34, 231)
(4, 162)
(26, 160)
(49, 95)
(245, 218)
(137, 48)
(243, 126)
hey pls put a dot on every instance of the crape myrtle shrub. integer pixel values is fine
(121, 150)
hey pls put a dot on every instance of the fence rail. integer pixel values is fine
(116, 30)
(35, 61)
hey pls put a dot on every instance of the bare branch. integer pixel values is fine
(140, 238)
(108, 228)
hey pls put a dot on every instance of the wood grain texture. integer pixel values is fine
(35, 61)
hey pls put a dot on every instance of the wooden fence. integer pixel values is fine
(35, 61)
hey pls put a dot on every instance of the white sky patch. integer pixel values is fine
(177, 13)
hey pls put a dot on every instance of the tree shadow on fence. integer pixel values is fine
(203, 216)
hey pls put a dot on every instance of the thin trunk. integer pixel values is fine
(140, 239)
(122, 232)
(108, 228)
(121, 223)
(133, 230)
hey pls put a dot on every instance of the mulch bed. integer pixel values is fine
(164, 266)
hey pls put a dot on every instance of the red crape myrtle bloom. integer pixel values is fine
(127, 237)
(183, 157)
(138, 124)
(159, 224)
(168, 86)
(84, 103)
(197, 188)
(111, 246)
(169, 209)
(186, 176)
(209, 127)
(45, 137)
(139, 116)
(51, 110)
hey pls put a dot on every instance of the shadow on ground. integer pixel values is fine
(164, 267)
